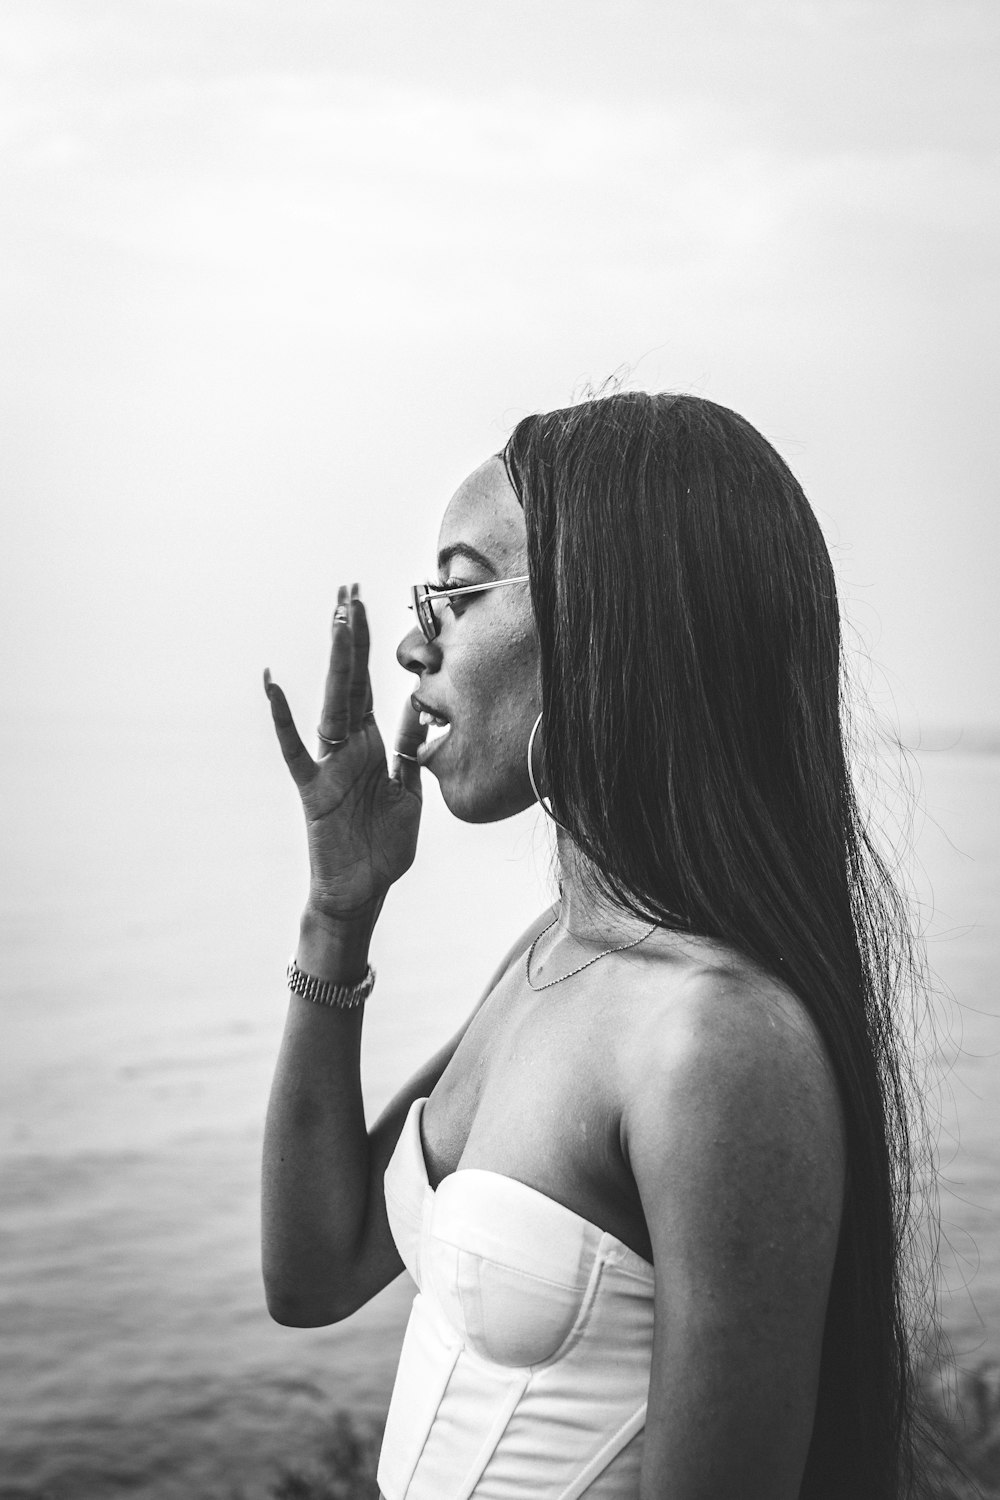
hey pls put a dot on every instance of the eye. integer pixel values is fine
(455, 605)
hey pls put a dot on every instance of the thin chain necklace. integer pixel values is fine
(622, 948)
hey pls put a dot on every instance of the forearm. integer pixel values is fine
(316, 1151)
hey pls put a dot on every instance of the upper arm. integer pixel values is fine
(733, 1133)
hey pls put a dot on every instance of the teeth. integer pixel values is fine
(432, 719)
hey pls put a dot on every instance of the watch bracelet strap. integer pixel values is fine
(322, 992)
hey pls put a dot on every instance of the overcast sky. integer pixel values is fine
(276, 276)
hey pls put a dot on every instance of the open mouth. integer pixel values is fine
(438, 730)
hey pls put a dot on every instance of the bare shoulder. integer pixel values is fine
(724, 1068)
(727, 1018)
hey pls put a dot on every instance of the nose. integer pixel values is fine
(417, 654)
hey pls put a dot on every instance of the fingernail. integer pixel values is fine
(355, 591)
(267, 681)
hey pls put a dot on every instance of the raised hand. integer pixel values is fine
(361, 821)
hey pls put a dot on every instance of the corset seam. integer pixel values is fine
(493, 1436)
(605, 1454)
(492, 1260)
(587, 1301)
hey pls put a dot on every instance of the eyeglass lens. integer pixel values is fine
(424, 607)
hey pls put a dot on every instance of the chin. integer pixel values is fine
(472, 804)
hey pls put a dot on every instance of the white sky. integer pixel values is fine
(276, 276)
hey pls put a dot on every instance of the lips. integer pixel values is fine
(437, 726)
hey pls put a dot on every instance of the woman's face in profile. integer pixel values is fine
(480, 676)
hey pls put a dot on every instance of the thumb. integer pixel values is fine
(409, 737)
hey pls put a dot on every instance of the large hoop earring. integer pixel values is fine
(531, 774)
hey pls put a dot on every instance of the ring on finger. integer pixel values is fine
(402, 755)
(334, 744)
(340, 615)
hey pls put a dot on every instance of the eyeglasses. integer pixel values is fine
(423, 596)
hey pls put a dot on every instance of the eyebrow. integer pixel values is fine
(447, 553)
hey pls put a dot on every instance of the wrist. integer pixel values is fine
(335, 949)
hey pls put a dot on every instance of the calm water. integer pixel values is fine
(147, 904)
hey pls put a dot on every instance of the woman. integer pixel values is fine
(655, 1189)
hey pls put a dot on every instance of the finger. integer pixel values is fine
(361, 689)
(297, 757)
(409, 737)
(369, 697)
(334, 721)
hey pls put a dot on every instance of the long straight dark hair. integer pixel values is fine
(693, 748)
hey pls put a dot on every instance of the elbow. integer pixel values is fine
(302, 1302)
(318, 1285)
(293, 1310)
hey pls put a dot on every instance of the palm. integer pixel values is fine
(361, 822)
(362, 825)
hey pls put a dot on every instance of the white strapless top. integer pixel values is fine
(525, 1367)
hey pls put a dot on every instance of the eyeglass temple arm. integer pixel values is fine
(476, 588)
